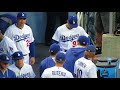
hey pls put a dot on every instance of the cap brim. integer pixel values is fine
(22, 17)
(5, 61)
(18, 58)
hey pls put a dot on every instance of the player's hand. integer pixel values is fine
(32, 60)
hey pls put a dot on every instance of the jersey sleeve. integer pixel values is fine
(44, 74)
(93, 72)
(75, 69)
(56, 35)
(31, 36)
(84, 32)
(11, 47)
(8, 33)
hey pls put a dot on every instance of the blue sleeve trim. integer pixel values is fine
(54, 41)
(32, 49)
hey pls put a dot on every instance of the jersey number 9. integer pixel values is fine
(74, 43)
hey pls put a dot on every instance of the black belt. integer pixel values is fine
(25, 55)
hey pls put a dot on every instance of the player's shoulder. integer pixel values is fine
(45, 60)
(12, 66)
(10, 70)
(27, 26)
(61, 27)
(8, 40)
(79, 27)
(12, 26)
(27, 65)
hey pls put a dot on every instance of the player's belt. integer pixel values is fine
(25, 55)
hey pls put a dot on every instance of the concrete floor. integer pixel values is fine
(42, 51)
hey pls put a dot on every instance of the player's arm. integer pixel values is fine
(11, 47)
(32, 48)
(45, 74)
(8, 33)
(56, 36)
(75, 70)
(42, 67)
(93, 72)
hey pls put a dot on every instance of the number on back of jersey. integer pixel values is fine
(79, 73)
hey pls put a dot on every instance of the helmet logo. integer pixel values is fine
(73, 22)
(18, 54)
(22, 14)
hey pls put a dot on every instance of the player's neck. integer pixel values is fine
(19, 26)
(1, 37)
(58, 65)
(68, 26)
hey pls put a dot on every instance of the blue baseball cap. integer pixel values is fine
(5, 58)
(60, 56)
(54, 48)
(83, 40)
(17, 55)
(72, 20)
(21, 15)
(91, 48)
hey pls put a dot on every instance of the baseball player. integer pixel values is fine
(67, 34)
(22, 35)
(84, 67)
(21, 69)
(75, 53)
(4, 63)
(57, 71)
(6, 45)
(49, 61)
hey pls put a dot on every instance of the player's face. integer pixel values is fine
(21, 21)
(4, 66)
(19, 63)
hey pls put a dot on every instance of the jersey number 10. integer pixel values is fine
(79, 73)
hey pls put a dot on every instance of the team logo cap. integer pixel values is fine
(54, 48)
(5, 58)
(91, 48)
(17, 55)
(83, 40)
(60, 56)
(21, 15)
(72, 20)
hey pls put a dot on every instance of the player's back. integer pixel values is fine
(85, 68)
(7, 46)
(56, 72)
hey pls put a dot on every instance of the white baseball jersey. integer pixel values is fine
(68, 38)
(22, 37)
(85, 68)
(7, 46)
(56, 72)
(25, 72)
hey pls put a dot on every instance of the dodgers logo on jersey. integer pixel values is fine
(69, 38)
(26, 75)
(18, 38)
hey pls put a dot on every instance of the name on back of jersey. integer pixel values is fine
(81, 64)
(64, 38)
(59, 73)
(18, 38)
